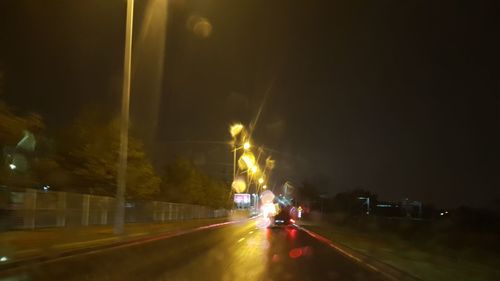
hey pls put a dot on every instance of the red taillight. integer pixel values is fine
(292, 220)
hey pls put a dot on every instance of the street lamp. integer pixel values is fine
(254, 169)
(264, 186)
(261, 180)
(238, 130)
(12, 166)
(122, 158)
(247, 145)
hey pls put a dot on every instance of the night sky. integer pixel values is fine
(398, 97)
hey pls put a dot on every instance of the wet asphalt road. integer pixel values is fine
(239, 251)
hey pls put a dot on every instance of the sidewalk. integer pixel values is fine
(26, 244)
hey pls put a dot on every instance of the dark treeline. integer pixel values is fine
(82, 157)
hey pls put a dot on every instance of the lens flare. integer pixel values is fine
(235, 129)
(239, 185)
(268, 209)
(247, 160)
(200, 26)
(267, 196)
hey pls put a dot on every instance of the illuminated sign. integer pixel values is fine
(242, 198)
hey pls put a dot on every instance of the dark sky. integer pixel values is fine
(400, 97)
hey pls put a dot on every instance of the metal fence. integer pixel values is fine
(30, 209)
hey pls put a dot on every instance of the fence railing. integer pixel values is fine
(30, 209)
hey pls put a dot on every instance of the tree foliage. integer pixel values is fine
(83, 158)
(12, 124)
(183, 182)
(349, 202)
(89, 148)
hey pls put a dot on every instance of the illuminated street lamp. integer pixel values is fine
(261, 180)
(238, 130)
(12, 166)
(254, 169)
(264, 186)
(247, 145)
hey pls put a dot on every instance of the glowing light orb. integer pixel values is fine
(239, 185)
(267, 197)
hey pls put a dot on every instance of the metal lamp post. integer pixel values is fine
(124, 124)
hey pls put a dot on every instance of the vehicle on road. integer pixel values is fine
(283, 217)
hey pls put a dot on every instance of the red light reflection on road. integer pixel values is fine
(295, 253)
(275, 258)
(299, 252)
(292, 233)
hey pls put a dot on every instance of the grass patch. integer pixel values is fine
(422, 261)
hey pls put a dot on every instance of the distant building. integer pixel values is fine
(405, 208)
(387, 209)
(411, 209)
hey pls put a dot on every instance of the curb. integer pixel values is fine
(387, 270)
(114, 244)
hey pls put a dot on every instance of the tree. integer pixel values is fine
(90, 148)
(13, 125)
(308, 195)
(184, 182)
(349, 202)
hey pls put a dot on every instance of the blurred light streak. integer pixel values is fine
(263, 222)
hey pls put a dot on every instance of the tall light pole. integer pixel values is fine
(121, 181)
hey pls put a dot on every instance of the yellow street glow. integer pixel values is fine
(261, 180)
(254, 169)
(239, 185)
(264, 186)
(235, 129)
(270, 163)
(247, 145)
(247, 160)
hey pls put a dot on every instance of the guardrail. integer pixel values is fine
(31, 209)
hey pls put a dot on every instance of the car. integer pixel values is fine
(282, 218)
